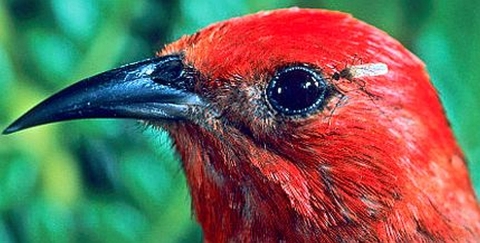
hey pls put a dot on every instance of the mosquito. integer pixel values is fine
(362, 70)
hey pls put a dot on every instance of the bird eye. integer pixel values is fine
(297, 90)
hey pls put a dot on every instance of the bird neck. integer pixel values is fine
(242, 191)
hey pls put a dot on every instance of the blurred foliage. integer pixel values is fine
(115, 181)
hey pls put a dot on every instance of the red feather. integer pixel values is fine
(378, 163)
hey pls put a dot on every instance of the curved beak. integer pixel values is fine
(157, 88)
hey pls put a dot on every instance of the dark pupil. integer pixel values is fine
(295, 90)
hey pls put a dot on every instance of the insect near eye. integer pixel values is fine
(363, 70)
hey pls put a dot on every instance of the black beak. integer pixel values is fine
(153, 89)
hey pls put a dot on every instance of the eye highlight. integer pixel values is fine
(297, 90)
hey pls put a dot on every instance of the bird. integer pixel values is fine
(294, 125)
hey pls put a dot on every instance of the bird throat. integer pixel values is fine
(249, 193)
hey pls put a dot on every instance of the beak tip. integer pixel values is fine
(10, 129)
(14, 127)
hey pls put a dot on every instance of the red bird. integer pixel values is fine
(294, 125)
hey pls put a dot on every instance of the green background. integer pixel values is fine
(114, 181)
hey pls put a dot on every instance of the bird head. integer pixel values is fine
(286, 131)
